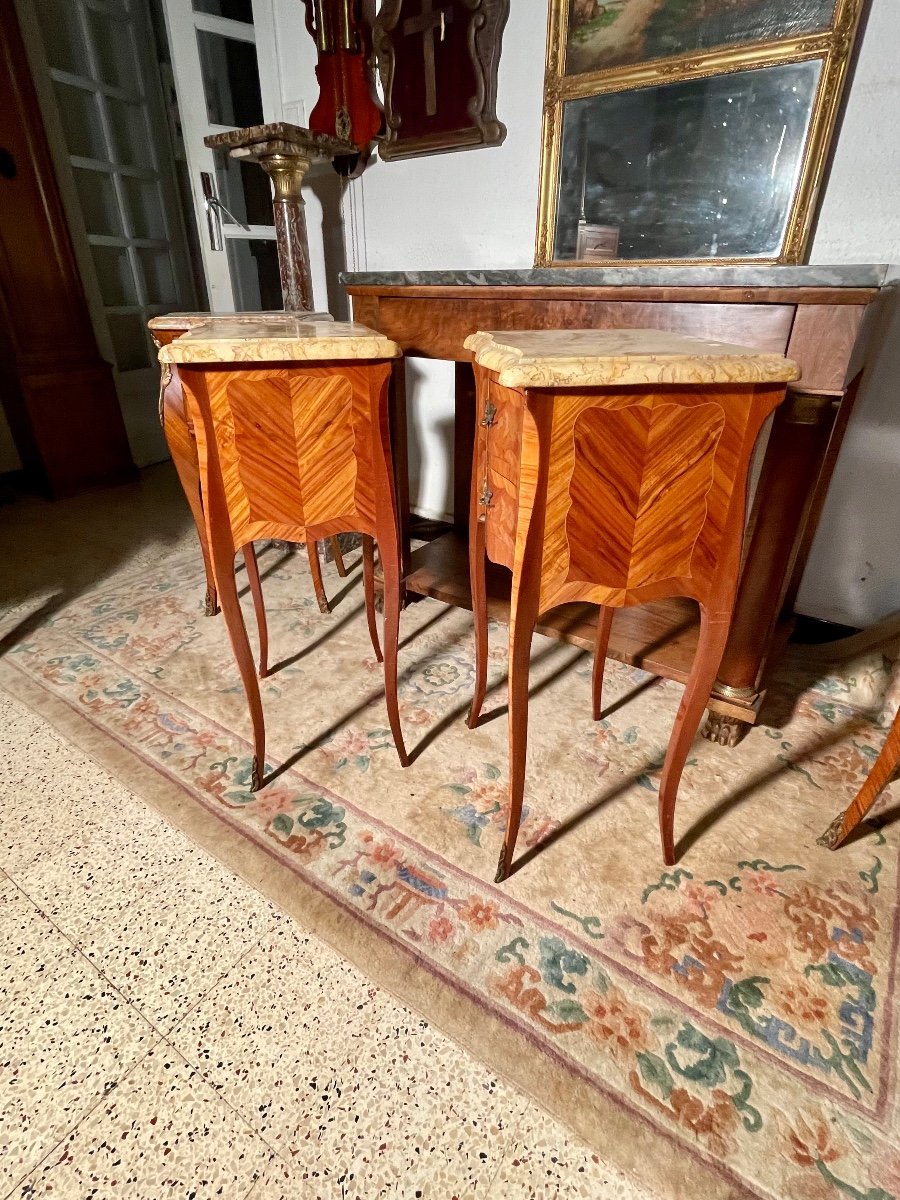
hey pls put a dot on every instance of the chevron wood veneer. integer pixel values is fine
(616, 495)
(297, 451)
(182, 443)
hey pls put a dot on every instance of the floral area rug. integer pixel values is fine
(727, 1027)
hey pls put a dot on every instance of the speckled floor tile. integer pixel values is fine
(545, 1161)
(90, 880)
(172, 945)
(354, 1091)
(85, 851)
(46, 801)
(279, 1182)
(66, 1036)
(162, 1133)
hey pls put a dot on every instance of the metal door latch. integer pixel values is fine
(215, 209)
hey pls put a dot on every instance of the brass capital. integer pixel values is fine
(287, 172)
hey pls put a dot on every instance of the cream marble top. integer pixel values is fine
(594, 357)
(187, 320)
(283, 339)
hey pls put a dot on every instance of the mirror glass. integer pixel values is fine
(701, 168)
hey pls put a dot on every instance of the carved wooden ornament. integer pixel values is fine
(438, 62)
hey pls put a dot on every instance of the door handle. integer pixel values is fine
(215, 209)
(216, 203)
(213, 220)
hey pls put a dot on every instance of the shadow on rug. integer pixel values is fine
(725, 1028)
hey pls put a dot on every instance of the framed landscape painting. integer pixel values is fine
(623, 32)
(688, 130)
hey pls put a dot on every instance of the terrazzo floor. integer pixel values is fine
(166, 1031)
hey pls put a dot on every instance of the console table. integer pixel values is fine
(813, 315)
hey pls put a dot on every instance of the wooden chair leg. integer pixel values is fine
(211, 600)
(879, 777)
(708, 656)
(249, 552)
(522, 621)
(479, 614)
(315, 569)
(240, 644)
(604, 625)
(368, 560)
(190, 482)
(183, 449)
(387, 534)
(338, 556)
(389, 554)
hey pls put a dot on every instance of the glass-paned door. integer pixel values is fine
(101, 62)
(217, 81)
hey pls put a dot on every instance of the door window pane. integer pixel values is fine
(111, 40)
(144, 207)
(159, 278)
(129, 341)
(245, 190)
(81, 122)
(230, 80)
(253, 264)
(63, 40)
(115, 275)
(99, 206)
(235, 10)
(130, 136)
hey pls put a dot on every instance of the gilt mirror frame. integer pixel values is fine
(831, 46)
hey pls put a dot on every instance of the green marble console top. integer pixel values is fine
(850, 275)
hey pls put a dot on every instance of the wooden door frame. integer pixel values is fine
(139, 383)
(58, 391)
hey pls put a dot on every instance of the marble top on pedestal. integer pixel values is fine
(850, 275)
(547, 358)
(279, 137)
(286, 339)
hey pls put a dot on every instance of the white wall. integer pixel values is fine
(853, 574)
(478, 208)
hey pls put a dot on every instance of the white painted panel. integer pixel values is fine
(853, 574)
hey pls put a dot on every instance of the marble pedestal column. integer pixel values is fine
(285, 152)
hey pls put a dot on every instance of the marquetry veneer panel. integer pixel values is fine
(641, 490)
(294, 450)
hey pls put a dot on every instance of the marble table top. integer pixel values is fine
(287, 339)
(187, 320)
(279, 137)
(597, 357)
(853, 275)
